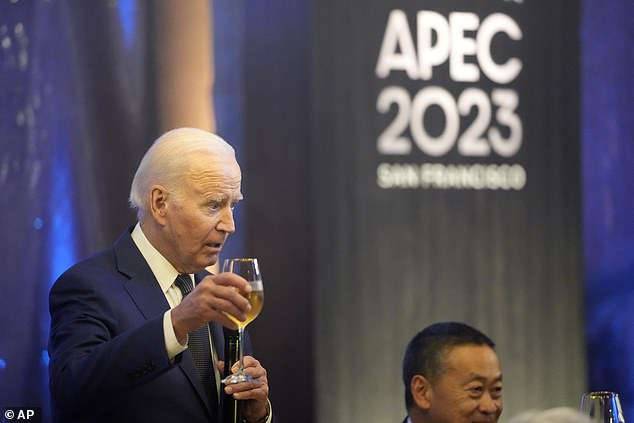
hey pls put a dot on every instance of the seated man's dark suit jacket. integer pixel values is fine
(108, 361)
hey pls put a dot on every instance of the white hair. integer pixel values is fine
(552, 415)
(169, 160)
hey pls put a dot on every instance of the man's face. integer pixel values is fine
(198, 223)
(470, 389)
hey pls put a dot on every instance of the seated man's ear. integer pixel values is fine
(421, 391)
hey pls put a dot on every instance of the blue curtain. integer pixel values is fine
(76, 82)
(608, 174)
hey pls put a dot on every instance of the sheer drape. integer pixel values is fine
(78, 113)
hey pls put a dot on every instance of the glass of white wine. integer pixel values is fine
(249, 269)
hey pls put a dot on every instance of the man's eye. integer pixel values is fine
(233, 205)
(214, 206)
(476, 390)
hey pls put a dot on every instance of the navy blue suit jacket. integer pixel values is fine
(108, 361)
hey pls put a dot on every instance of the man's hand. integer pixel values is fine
(210, 299)
(256, 393)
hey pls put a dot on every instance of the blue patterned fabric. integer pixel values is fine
(608, 190)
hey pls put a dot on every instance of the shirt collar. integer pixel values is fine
(162, 269)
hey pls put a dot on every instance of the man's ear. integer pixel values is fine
(158, 203)
(421, 391)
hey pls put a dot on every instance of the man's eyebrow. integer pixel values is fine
(215, 197)
(479, 377)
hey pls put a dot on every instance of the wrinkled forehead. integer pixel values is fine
(213, 168)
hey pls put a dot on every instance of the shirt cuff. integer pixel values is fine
(172, 345)
(270, 417)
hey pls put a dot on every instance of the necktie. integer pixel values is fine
(198, 345)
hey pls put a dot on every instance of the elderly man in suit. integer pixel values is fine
(136, 330)
(452, 375)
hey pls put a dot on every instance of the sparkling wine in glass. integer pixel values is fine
(602, 407)
(249, 269)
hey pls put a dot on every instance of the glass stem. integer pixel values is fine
(240, 336)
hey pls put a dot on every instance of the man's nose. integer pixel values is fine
(226, 222)
(490, 405)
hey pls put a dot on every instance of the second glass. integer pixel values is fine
(602, 407)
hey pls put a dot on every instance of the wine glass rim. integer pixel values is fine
(601, 393)
(241, 259)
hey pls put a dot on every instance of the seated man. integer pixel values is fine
(452, 375)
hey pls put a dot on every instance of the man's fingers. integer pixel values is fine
(213, 300)
(228, 279)
(226, 322)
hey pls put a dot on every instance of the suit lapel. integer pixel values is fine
(217, 339)
(188, 367)
(148, 296)
(142, 286)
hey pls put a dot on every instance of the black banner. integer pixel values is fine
(446, 163)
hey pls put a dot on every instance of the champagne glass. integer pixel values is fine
(249, 269)
(602, 407)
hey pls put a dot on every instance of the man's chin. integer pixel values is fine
(211, 260)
